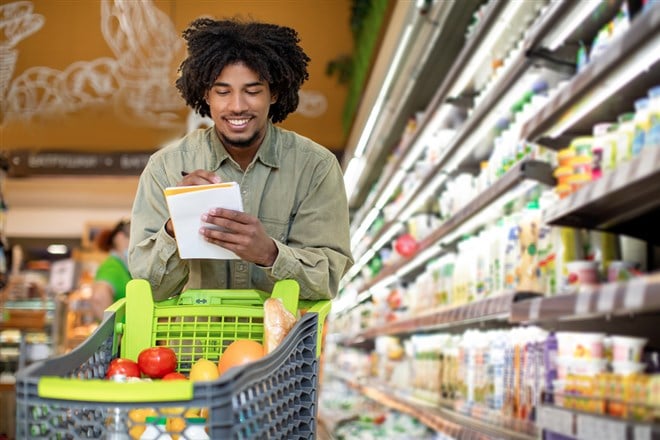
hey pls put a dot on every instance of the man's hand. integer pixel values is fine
(242, 234)
(197, 177)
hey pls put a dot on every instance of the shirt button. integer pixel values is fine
(241, 266)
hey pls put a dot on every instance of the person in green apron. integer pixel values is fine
(112, 274)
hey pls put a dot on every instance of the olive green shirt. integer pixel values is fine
(293, 185)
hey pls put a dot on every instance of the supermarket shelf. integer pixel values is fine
(439, 418)
(523, 170)
(496, 309)
(428, 72)
(637, 296)
(624, 201)
(584, 425)
(606, 87)
(384, 188)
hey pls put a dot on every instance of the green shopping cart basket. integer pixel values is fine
(275, 397)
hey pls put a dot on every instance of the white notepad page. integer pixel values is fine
(187, 204)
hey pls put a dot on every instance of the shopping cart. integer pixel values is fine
(275, 397)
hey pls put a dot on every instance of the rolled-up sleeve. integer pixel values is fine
(317, 253)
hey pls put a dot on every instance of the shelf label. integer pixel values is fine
(583, 301)
(556, 420)
(599, 428)
(535, 309)
(642, 432)
(635, 293)
(606, 297)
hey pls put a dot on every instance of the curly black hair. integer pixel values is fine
(270, 50)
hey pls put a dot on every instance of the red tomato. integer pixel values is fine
(124, 367)
(175, 376)
(156, 362)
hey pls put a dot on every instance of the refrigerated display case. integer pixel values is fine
(478, 171)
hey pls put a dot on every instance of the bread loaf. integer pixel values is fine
(278, 321)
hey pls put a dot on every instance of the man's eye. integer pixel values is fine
(253, 92)
(222, 92)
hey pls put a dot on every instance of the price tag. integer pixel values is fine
(642, 432)
(606, 297)
(535, 309)
(583, 301)
(635, 293)
(555, 420)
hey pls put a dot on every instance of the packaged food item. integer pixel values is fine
(642, 123)
(627, 349)
(601, 150)
(625, 136)
(581, 345)
(582, 273)
(620, 270)
(278, 321)
(653, 135)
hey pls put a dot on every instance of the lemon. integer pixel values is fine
(203, 370)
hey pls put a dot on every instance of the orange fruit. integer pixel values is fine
(240, 352)
(203, 370)
(137, 417)
(175, 426)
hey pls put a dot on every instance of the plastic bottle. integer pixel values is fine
(653, 136)
(625, 136)
(641, 124)
(601, 150)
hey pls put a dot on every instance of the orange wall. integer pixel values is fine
(71, 33)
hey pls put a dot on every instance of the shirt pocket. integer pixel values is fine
(277, 229)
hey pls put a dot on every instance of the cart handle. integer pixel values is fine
(100, 390)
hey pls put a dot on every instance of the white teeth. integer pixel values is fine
(238, 122)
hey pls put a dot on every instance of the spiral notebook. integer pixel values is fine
(187, 204)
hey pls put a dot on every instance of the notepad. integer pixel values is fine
(187, 204)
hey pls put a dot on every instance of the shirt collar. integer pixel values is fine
(269, 153)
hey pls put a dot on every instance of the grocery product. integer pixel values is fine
(239, 352)
(278, 321)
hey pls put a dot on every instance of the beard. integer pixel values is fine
(240, 143)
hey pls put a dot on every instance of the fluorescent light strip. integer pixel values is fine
(580, 12)
(418, 260)
(624, 73)
(387, 281)
(352, 174)
(392, 185)
(364, 227)
(485, 48)
(387, 236)
(380, 100)
(423, 197)
(490, 213)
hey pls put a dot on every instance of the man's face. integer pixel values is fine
(239, 100)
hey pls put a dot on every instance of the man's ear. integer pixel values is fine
(273, 99)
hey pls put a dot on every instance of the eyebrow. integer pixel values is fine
(252, 84)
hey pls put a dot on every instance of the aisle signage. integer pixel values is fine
(24, 163)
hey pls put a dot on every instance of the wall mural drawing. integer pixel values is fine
(138, 82)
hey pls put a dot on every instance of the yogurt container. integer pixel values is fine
(627, 348)
(580, 345)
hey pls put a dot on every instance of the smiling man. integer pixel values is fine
(246, 77)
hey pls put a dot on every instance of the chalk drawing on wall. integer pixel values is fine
(312, 104)
(138, 82)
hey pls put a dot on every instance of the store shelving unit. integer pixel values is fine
(527, 170)
(623, 201)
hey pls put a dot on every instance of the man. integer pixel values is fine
(246, 77)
